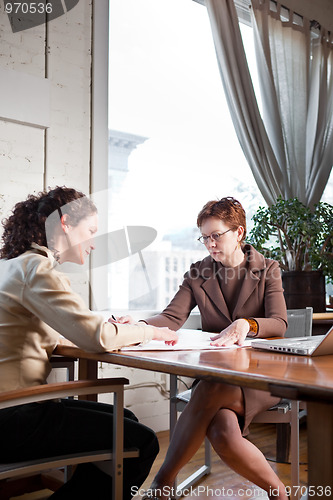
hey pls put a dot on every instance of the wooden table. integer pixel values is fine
(293, 377)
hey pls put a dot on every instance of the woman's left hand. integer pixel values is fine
(233, 334)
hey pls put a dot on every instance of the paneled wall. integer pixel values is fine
(58, 54)
(45, 108)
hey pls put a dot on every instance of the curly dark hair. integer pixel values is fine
(26, 225)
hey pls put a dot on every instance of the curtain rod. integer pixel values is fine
(313, 23)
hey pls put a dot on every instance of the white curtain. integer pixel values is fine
(319, 158)
(290, 150)
(295, 75)
(241, 98)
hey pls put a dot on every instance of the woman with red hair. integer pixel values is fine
(239, 294)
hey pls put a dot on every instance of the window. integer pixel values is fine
(175, 284)
(175, 265)
(172, 141)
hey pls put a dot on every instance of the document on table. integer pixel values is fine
(187, 340)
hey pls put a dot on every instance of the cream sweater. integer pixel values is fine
(37, 304)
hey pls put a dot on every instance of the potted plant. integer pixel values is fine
(301, 240)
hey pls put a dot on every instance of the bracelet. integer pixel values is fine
(254, 328)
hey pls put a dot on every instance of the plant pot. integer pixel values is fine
(304, 289)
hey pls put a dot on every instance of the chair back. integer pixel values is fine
(299, 322)
(193, 322)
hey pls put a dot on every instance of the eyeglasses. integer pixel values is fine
(213, 237)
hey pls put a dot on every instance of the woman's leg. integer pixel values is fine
(203, 416)
(56, 428)
(192, 426)
(241, 455)
(136, 435)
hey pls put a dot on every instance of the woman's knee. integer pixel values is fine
(218, 394)
(224, 430)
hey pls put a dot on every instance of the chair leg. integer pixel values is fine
(208, 456)
(118, 443)
(182, 488)
(173, 414)
(173, 403)
(294, 449)
(282, 442)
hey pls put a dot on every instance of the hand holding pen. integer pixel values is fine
(128, 320)
(169, 336)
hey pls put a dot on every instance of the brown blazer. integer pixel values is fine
(261, 297)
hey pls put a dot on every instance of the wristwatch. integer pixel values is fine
(254, 328)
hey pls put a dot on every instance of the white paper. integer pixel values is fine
(187, 340)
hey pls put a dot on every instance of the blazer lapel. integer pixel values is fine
(212, 288)
(211, 285)
(250, 283)
(256, 264)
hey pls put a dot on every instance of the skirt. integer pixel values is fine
(255, 402)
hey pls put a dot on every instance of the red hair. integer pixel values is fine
(229, 210)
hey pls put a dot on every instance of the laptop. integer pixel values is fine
(317, 345)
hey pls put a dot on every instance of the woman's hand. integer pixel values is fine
(169, 336)
(128, 320)
(233, 334)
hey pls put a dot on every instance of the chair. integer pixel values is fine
(64, 362)
(61, 390)
(286, 415)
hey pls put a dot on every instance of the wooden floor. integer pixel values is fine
(222, 482)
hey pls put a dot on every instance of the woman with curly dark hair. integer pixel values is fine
(37, 305)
